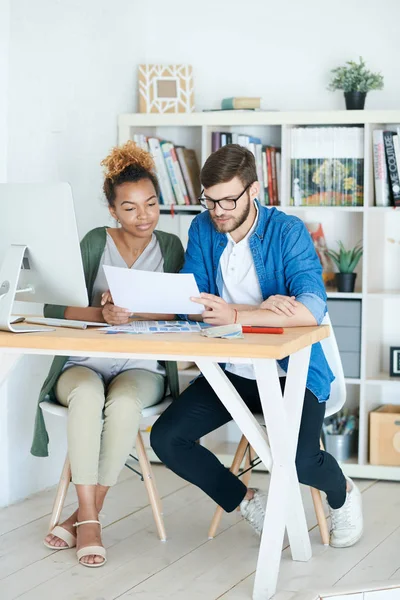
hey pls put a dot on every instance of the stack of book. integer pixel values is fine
(177, 170)
(240, 103)
(268, 162)
(387, 167)
(327, 166)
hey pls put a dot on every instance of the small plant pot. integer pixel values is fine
(345, 281)
(355, 100)
(340, 446)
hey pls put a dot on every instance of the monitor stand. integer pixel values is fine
(9, 276)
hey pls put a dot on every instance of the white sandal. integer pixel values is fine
(91, 550)
(64, 535)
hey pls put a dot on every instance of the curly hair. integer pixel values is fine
(127, 163)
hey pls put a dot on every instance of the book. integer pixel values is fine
(240, 102)
(392, 165)
(396, 144)
(215, 141)
(260, 173)
(278, 174)
(269, 172)
(190, 171)
(179, 176)
(243, 140)
(265, 177)
(382, 193)
(327, 166)
(274, 181)
(141, 141)
(167, 193)
(166, 149)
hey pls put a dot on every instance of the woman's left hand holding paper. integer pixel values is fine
(114, 315)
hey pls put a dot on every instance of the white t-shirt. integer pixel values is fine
(241, 286)
(151, 259)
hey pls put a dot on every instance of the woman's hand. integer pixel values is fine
(106, 298)
(280, 305)
(218, 312)
(114, 315)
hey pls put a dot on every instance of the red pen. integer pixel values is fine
(256, 329)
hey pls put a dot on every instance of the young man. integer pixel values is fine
(255, 266)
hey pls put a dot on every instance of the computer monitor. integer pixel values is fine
(40, 258)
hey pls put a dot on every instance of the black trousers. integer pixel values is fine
(198, 411)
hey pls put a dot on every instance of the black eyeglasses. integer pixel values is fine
(224, 203)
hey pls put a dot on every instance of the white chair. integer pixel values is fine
(146, 470)
(334, 404)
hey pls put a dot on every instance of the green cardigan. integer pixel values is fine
(92, 248)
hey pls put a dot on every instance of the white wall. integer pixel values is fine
(73, 68)
(4, 48)
(26, 473)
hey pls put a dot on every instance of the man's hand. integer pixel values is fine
(114, 315)
(280, 305)
(218, 312)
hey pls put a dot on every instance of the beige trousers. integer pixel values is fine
(103, 422)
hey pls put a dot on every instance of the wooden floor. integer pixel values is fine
(189, 566)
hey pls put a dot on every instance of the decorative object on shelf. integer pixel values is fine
(340, 434)
(356, 81)
(327, 166)
(346, 261)
(384, 435)
(394, 361)
(166, 89)
(318, 237)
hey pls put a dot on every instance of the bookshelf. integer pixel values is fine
(378, 273)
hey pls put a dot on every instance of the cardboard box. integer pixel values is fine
(384, 435)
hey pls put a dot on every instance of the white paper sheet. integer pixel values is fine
(149, 292)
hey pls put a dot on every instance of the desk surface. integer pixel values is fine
(177, 344)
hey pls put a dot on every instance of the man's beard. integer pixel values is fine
(233, 223)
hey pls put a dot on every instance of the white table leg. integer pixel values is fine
(284, 508)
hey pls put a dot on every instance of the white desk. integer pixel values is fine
(282, 418)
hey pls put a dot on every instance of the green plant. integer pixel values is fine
(355, 78)
(346, 260)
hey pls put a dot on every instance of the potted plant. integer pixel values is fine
(346, 261)
(355, 80)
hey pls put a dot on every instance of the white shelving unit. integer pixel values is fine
(378, 273)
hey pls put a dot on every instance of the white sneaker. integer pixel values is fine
(254, 510)
(347, 521)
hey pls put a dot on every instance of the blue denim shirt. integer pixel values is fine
(286, 263)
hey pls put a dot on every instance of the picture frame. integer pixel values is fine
(166, 89)
(394, 361)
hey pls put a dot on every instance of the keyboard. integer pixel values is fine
(63, 323)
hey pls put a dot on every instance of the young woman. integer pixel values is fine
(105, 396)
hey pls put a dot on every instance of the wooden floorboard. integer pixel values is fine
(188, 566)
